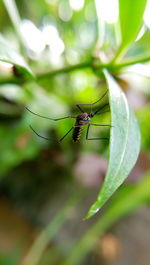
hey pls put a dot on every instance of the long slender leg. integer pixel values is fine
(82, 104)
(94, 124)
(50, 118)
(107, 104)
(70, 131)
(105, 111)
(43, 137)
(99, 138)
(78, 106)
(66, 134)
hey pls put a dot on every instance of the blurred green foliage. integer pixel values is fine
(57, 51)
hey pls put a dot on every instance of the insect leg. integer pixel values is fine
(49, 139)
(107, 104)
(43, 137)
(105, 111)
(65, 134)
(100, 124)
(100, 98)
(94, 124)
(82, 104)
(99, 138)
(50, 118)
(78, 106)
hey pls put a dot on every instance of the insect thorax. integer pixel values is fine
(82, 117)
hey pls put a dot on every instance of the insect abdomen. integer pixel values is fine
(76, 134)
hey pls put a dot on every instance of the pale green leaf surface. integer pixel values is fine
(140, 48)
(124, 144)
(131, 18)
(9, 55)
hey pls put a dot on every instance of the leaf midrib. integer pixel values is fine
(126, 139)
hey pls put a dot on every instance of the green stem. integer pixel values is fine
(125, 64)
(10, 80)
(67, 69)
(88, 64)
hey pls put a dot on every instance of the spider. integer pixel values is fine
(81, 120)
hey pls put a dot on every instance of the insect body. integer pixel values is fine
(81, 120)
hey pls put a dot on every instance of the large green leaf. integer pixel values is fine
(131, 18)
(124, 144)
(9, 55)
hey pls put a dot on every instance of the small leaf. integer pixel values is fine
(9, 55)
(124, 144)
(131, 17)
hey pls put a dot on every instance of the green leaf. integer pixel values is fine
(124, 144)
(143, 115)
(9, 55)
(131, 18)
(140, 48)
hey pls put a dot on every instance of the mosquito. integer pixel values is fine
(81, 120)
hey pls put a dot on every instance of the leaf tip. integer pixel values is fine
(93, 210)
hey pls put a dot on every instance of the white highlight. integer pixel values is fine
(107, 10)
(32, 36)
(6, 65)
(140, 69)
(36, 39)
(147, 14)
(51, 38)
(65, 11)
(76, 4)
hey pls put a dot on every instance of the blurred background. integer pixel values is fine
(46, 188)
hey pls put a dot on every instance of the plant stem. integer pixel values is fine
(128, 63)
(89, 64)
(67, 69)
(10, 80)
